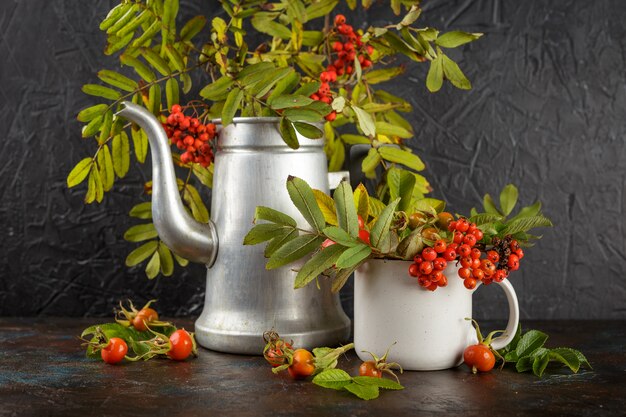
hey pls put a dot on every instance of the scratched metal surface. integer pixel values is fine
(546, 112)
(44, 372)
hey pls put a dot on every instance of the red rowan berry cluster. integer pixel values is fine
(428, 266)
(347, 47)
(507, 253)
(190, 135)
(473, 269)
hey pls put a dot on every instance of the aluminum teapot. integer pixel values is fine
(243, 299)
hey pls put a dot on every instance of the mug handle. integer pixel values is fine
(511, 327)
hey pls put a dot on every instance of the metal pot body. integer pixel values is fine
(244, 299)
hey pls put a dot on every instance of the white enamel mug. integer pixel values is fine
(429, 328)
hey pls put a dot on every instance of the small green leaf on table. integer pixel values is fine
(335, 379)
(364, 392)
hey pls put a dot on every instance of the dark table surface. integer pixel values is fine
(43, 371)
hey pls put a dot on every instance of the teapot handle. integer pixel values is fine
(335, 178)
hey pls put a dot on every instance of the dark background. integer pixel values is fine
(546, 113)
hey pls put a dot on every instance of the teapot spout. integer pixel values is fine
(184, 235)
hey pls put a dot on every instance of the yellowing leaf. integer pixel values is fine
(327, 205)
(80, 172)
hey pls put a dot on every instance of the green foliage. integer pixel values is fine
(157, 52)
(364, 387)
(335, 220)
(528, 353)
(498, 222)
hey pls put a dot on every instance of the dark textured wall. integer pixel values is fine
(546, 113)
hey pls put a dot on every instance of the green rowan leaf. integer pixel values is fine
(177, 62)
(217, 90)
(141, 232)
(93, 127)
(140, 142)
(380, 231)
(434, 79)
(308, 130)
(264, 232)
(528, 211)
(354, 256)
(194, 202)
(279, 241)
(141, 253)
(140, 68)
(508, 199)
(154, 99)
(319, 263)
(118, 80)
(401, 156)
(401, 184)
(166, 260)
(490, 206)
(338, 235)
(123, 19)
(121, 154)
(304, 115)
(192, 27)
(366, 121)
(303, 198)
(384, 128)
(141, 210)
(456, 38)
(90, 113)
(382, 75)
(346, 210)
(137, 21)
(294, 250)
(204, 175)
(525, 224)
(105, 166)
(320, 8)
(274, 216)
(79, 172)
(371, 161)
(148, 34)
(290, 100)
(105, 129)
(114, 15)
(101, 91)
(233, 101)
(172, 93)
(97, 183)
(154, 265)
(288, 133)
(454, 74)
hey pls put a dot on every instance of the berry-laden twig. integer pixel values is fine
(190, 135)
(347, 48)
(465, 247)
